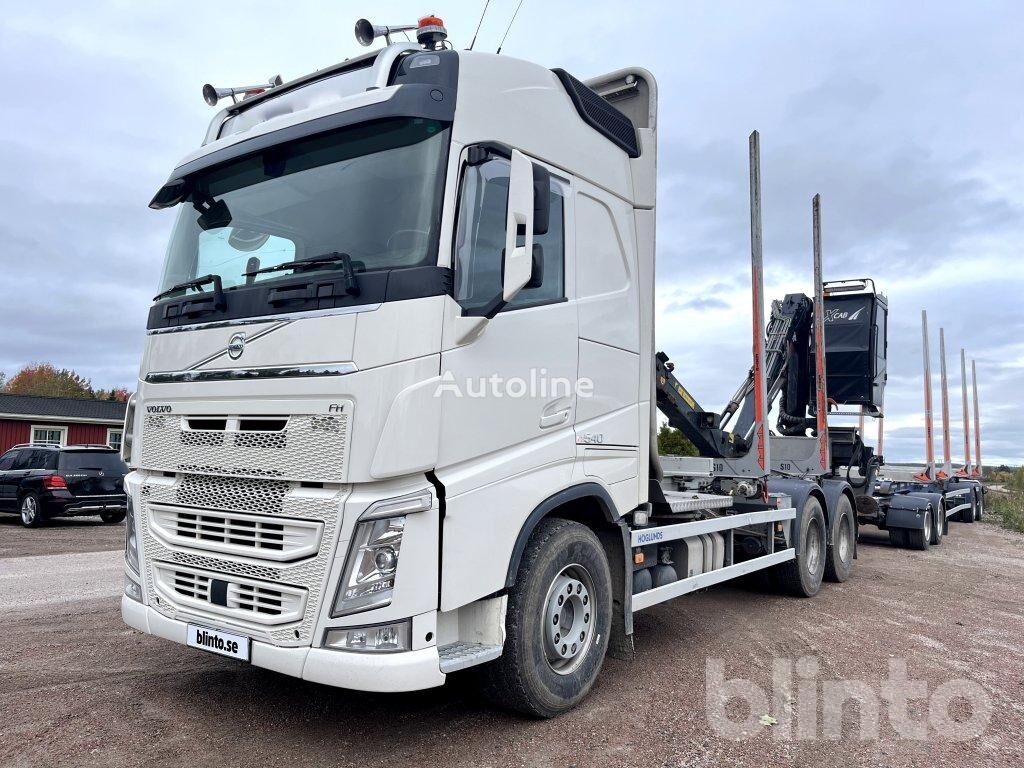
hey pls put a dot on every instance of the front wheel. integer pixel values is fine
(802, 575)
(839, 562)
(31, 511)
(557, 623)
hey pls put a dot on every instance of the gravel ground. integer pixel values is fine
(58, 536)
(77, 687)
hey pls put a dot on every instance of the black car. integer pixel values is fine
(43, 481)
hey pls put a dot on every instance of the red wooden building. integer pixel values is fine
(59, 421)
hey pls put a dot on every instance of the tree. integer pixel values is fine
(120, 394)
(47, 380)
(672, 442)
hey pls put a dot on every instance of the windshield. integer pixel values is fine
(372, 191)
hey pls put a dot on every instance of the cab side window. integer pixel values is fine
(480, 241)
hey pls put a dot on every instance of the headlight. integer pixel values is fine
(128, 433)
(131, 538)
(368, 580)
(386, 638)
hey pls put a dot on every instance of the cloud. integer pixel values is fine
(904, 117)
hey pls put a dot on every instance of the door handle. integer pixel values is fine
(556, 418)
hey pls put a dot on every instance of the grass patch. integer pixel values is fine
(1007, 509)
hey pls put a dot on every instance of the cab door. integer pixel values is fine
(510, 392)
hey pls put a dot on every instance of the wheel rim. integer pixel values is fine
(927, 524)
(939, 518)
(569, 619)
(813, 548)
(28, 510)
(844, 539)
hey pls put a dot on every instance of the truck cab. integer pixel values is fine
(404, 331)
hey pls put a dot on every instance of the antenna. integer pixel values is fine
(479, 23)
(502, 43)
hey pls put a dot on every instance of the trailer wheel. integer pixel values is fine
(920, 539)
(802, 576)
(557, 623)
(935, 536)
(969, 515)
(839, 562)
(898, 537)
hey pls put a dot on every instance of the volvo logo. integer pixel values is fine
(236, 346)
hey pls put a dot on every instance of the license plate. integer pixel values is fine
(219, 642)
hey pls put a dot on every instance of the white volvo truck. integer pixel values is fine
(395, 412)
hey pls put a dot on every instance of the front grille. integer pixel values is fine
(244, 600)
(269, 538)
(203, 527)
(303, 447)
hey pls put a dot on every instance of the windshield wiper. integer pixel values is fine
(302, 265)
(198, 282)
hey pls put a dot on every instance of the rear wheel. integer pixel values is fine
(557, 623)
(968, 515)
(31, 511)
(921, 538)
(979, 504)
(898, 537)
(938, 523)
(802, 576)
(839, 562)
(112, 517)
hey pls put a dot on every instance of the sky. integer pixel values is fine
(906, 117)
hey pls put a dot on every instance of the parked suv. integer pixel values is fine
(43, 481)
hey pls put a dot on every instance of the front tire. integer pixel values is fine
(802, 576)
(557, 623)
(31, 510)
(839, 563)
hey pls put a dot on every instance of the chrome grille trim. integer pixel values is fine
(233, 533)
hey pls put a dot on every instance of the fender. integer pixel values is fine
(906, 510)
(799, 489)
(546, 507)
(835, 489)
(935, 499)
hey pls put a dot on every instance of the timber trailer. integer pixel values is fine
(353, 459)
(954, 494)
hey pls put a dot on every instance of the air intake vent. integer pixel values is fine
(600, 115)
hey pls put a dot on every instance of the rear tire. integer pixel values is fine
(112, 517)
(802, 576)
(979, 505)
(969, 515)
(919, 539)
(898, 537)
(935, 537)
(31, 510)
(839, 562)
(563, 585)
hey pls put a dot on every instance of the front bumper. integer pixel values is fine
(378, 672)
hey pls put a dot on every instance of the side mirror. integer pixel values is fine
(519, 222)
(537, 275)
(541, 199)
